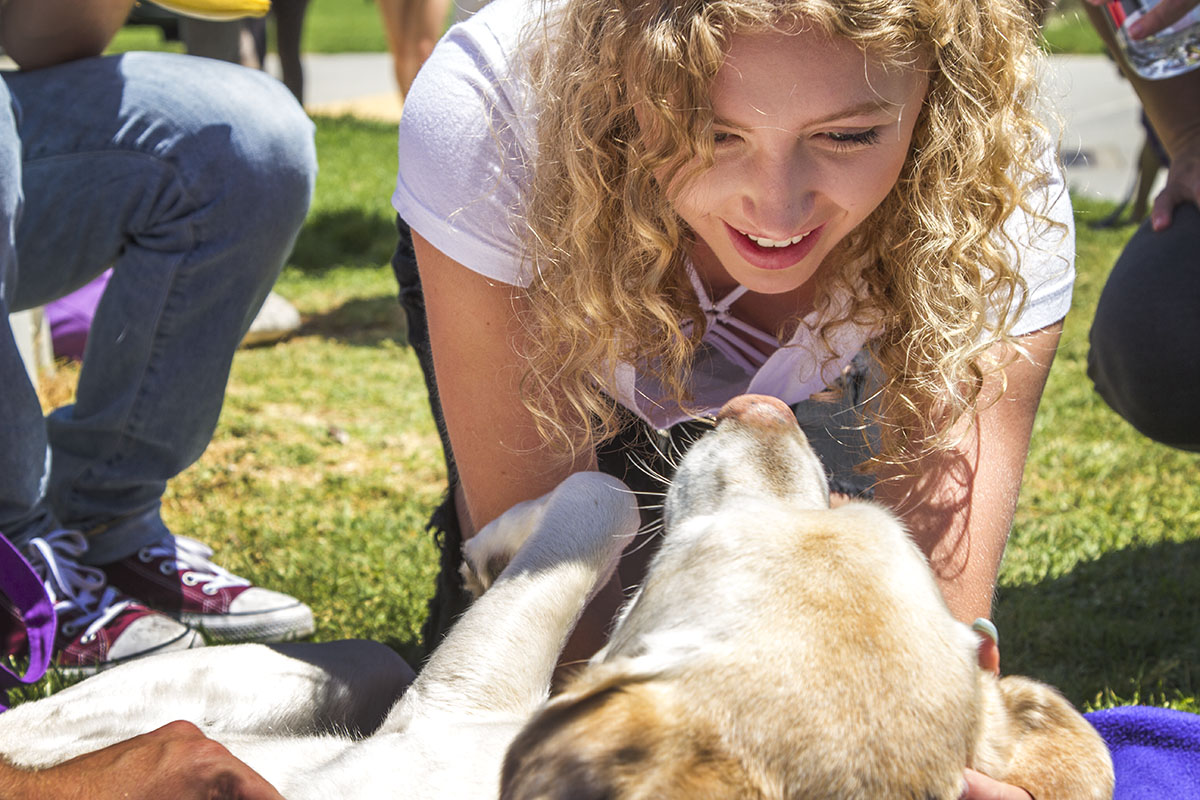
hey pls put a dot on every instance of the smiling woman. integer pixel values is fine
(625, 213)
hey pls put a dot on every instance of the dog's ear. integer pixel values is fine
(620, 741)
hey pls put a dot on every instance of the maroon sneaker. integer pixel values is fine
(98, 627)
(174, 575)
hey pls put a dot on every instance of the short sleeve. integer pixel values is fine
(1045, 250)
(464, 146)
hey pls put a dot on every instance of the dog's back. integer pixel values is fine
(777, 649)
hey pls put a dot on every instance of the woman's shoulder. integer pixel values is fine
(465, 141)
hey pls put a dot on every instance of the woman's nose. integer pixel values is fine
(779, 194)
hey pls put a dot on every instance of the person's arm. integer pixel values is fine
(42, 33)
(960, 507)
(1173, 108)
(176, 761)
(477, 340)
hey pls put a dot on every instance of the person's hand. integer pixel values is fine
(1183, 186)
(978, 785)
(1161, 16)
(981, 787)
(176, 761)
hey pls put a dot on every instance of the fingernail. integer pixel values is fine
(1136, 30)
(987, 628)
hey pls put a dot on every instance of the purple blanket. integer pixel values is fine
(1155, 751)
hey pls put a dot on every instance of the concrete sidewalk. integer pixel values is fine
(1101, 131)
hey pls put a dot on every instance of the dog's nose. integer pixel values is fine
(759, 410)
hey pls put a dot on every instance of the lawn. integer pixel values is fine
(326, 463)
(343, 26)
(330, 26)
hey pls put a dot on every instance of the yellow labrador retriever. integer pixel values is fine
(780, 649)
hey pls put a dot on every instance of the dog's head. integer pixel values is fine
(776, 649)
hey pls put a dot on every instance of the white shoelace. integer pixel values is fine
(190, 558)
(72, 586)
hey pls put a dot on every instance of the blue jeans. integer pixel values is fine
(191, 178)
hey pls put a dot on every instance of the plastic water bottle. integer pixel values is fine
(1170, 52)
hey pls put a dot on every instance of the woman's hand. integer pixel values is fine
(1161, 16)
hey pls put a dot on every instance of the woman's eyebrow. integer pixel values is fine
(859, 109)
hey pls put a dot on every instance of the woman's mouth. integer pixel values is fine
(773, 254)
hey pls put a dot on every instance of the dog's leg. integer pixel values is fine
(498, 659)
(1035, 739)
(289, 689)
(487, 553)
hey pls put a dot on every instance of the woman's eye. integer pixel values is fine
(854, 138)
(723, 137)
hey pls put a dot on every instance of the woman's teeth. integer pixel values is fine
(762, 241)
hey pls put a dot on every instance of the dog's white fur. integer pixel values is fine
(780, 649)
(776, 649)
(292, 712)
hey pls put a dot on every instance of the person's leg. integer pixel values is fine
(218, 39)
(450, 599)
(1145, 337)
(22, 430)
(289, 25)
(93, 624)
(412, 28)
(192, 178)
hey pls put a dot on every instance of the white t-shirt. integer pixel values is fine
(466, 138)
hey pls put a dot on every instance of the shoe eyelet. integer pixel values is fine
(189, 579)
(166, 568)
(70, 628)
(144, 555)
(208, 590)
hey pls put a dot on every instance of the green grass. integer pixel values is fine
(326, 464)
(344, 26)
(1067, 30)
(1100, 588)
(330, 26)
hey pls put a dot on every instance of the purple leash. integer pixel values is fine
(25, 591)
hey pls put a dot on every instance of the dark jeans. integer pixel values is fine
(637, 456)
(1145, 338)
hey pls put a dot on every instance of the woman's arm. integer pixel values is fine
(960, 507)
(476, 341)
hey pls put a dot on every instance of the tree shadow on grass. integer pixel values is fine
(1127, 624)
(344, 237)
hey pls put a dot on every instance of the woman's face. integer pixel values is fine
(810, 136)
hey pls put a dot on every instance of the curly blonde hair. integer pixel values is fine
(608, 251)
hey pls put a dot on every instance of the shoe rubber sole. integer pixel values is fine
(276, 625)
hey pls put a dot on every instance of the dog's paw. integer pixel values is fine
(487, 553)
